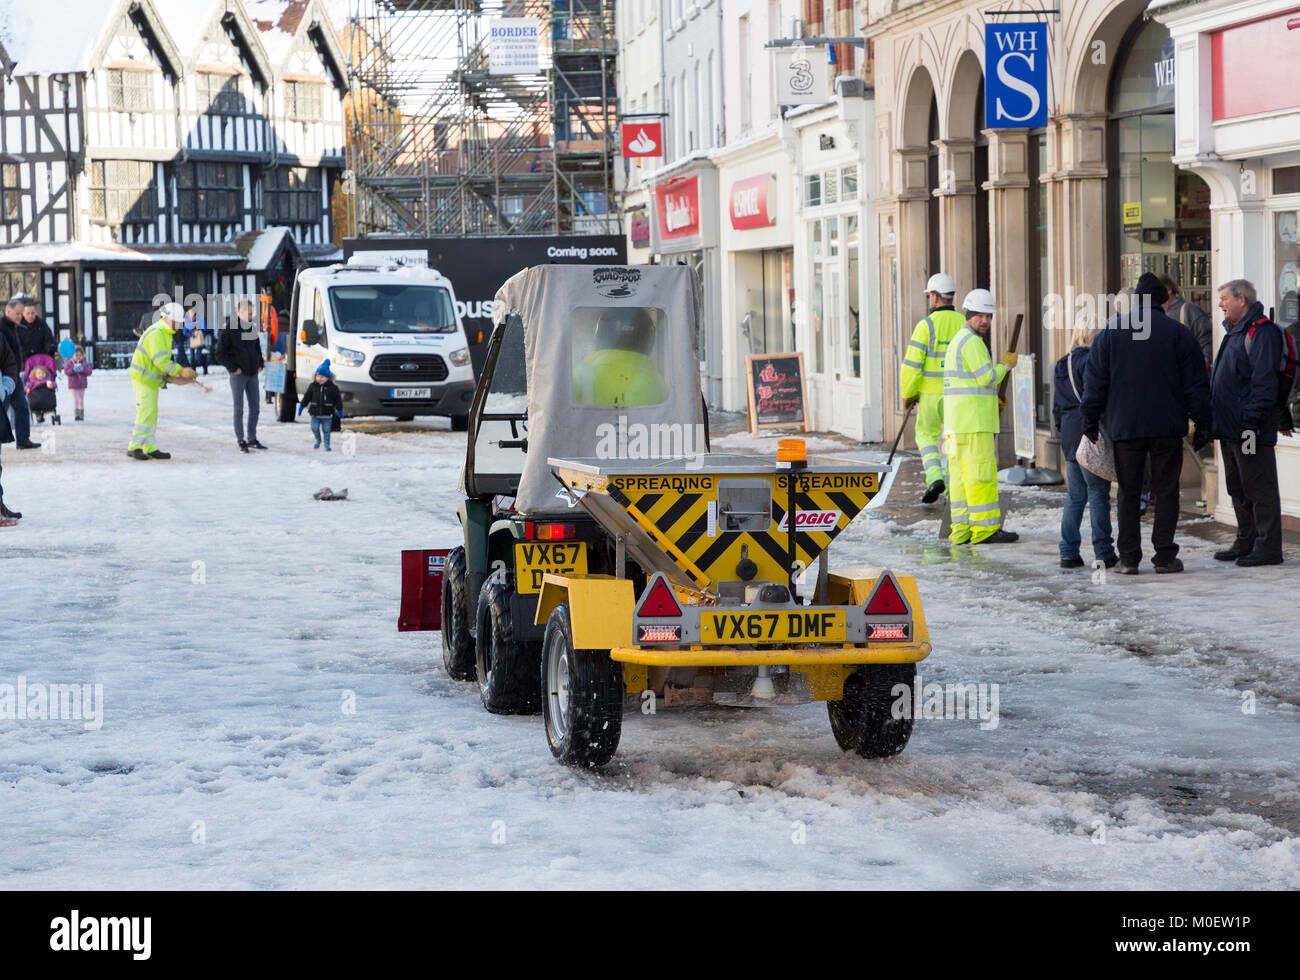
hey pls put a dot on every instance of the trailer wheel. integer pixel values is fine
(863, 721)
(457, 643)
(460, 423)
(507, 670)
(582, 697)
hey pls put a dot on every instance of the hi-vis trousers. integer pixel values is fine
(929, 431)
(973, 486)
(145, 434)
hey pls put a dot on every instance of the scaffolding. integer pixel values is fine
(440, 147)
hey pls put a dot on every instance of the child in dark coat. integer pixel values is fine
(323, 402)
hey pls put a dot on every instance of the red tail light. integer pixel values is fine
(659, 600)
(887, 600)
(534, 531)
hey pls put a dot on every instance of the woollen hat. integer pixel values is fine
(1149, 284)
(324, 369)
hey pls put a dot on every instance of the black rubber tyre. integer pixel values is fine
(460, 423)
(582, 697)
(862, 722)
(457, 643)
(507, 671)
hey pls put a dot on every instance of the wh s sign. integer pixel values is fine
(1015, 83)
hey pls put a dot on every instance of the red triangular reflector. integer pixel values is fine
(659, 600)
(887, 601)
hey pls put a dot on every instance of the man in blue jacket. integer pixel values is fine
(1146, 375)
(1244, 386)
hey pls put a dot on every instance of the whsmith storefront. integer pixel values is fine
(1073, 194)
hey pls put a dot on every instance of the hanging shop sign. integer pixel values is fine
(677, 208)
(513, 44)
(803, 75)
(1015, 85)
(753, 202)
(642, 139)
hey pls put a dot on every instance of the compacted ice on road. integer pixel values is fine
(257, 721)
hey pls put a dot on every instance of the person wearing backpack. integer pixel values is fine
(1246, 393)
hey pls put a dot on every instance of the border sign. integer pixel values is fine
(774, 384)
(1023, 407)
(513, 46)
(1015, 81)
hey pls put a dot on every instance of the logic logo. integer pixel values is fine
(1015, 88)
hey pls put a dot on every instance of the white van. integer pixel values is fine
(392, 336)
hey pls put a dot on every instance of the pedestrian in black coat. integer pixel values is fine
(34, 334)
(1147, 376)
(1246, 420)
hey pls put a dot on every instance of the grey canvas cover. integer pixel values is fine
(611, 367)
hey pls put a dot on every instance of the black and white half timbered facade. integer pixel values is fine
(152, 146)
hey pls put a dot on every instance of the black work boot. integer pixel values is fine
(933, 491)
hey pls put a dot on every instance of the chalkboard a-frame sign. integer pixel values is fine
(777, 396)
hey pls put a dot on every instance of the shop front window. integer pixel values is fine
(1286, 248)
(1161, 215)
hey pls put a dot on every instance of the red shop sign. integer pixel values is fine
(677, 208)
(753, 202)
(642, 139)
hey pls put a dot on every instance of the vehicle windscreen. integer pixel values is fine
(392, 309)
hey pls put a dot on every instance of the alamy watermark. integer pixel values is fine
(652, 440)
(950, 702)
(36, 701)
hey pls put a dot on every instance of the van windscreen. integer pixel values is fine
(392, 309)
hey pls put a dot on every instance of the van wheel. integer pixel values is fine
(582, 697)
(460, 423)
(863, 722)
(507, 670)
(457, 643)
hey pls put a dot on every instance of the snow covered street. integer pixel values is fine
(265, 725)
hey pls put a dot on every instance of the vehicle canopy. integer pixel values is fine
(610, 367)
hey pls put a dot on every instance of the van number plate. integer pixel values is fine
(776, 626)
(411, 393)
(535, 558)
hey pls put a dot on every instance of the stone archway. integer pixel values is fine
(963, 169)
(914, 191)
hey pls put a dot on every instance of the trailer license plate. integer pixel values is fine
(425, 393)
(535, 559)
(774, 626)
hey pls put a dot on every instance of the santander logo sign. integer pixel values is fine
(677, 207)
(642, 140)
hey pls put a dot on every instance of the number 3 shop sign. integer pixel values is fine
(1015, 86)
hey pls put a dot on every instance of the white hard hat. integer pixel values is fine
(941, 283)
(979, 301)
(172, 311)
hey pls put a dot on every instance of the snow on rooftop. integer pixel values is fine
(185, 22)
(264, 246)
(278, 22)
(42, 41)
(54, 252)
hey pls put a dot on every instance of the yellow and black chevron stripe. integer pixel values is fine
(679, 524)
